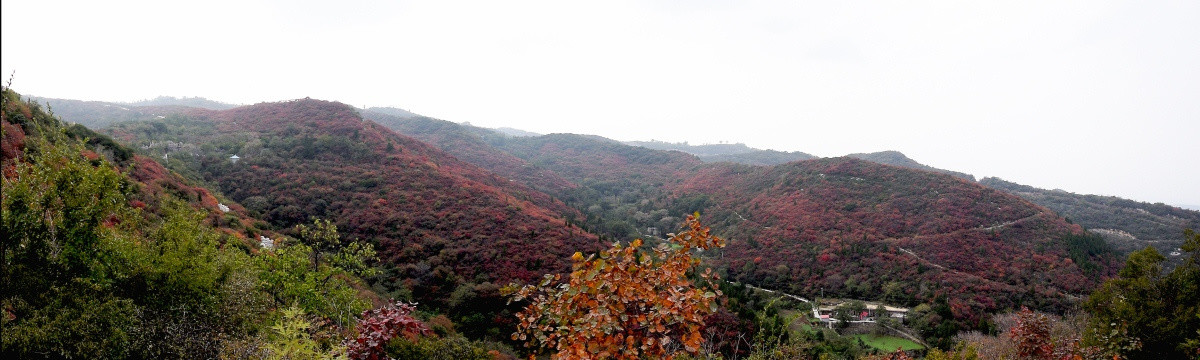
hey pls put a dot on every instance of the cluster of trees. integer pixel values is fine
(1147, 313)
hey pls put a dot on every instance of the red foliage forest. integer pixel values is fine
(843, 227)
(440, 221)
(470, 145)
(853, 228)
(839, 227)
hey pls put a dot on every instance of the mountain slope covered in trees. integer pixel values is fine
(858, 229)
(457, 210)
(470, 144)
(443, 224)
(841, 227)
(106, 254)
(1127, 224)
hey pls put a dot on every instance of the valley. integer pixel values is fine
(456, 215)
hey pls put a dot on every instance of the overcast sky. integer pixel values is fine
(1090, 97)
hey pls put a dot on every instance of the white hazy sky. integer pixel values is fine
(1087, 96)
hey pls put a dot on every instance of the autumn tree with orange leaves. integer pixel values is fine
(625, 303)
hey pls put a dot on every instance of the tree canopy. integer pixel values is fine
(1144, 313)
(625, 303)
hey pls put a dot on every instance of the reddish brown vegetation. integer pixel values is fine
(440, 221)
(839, 226)
(471, 146)
(624, 304)
(377, 327)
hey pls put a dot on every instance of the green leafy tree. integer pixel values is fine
(291, 339)
(849, 311)
(60, 253)
(320, 284)
(450, 348)
(1146, 314)
(285, 275)
(962, 351)
(322, 237)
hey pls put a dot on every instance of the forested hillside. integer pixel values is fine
(108, 255)
(619, 188)
(841, 227)
(857, 229)
(1128, 225)
(442, 224)
(266, 229)
(95, 114)
(470, 145)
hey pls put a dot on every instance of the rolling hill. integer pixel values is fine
(896, 158)
(1128, 225)
(735, 153)
(840, 226)
(441, 223)
(1119, 220)
(858, 229)
(107, 254)
(470, 145)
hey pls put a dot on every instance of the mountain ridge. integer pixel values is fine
(426, 210)
(480, 146)
(806, 214)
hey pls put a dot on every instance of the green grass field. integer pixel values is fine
(800, 323)
(889, 343)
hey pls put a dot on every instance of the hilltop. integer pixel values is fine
(193, 102)
(735, 153)
(896, 158)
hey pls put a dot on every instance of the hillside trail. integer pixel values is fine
(966, 274)
(957, 232)
(777, 292)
